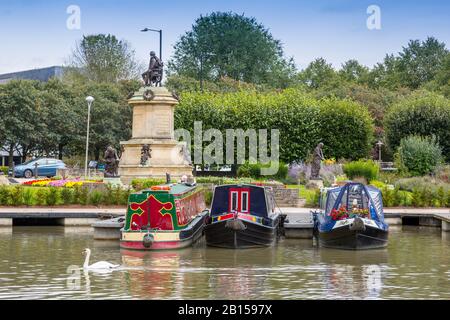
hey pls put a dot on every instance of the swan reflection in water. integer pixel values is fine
(353, 274)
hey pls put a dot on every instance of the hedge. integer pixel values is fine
(345, 127)
(422, 114)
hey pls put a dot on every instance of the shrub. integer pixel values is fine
(312, 199)
(208, 197)
(365, 169)
(249, 170)
(80, 195)
(422, 114)
(95, 197)
(378, 184)
(28, 197)
(4, 195)
(409, 184)
(67, 195)
(16, 196)
(418, 155)
(53, 195)
(4, 169)
(41, 196)
(140, 184)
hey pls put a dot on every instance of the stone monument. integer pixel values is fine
(152, 150)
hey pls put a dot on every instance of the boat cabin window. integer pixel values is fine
(234, 201)
(239, 200)
(244, 202)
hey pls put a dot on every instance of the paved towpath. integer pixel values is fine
(55, 212)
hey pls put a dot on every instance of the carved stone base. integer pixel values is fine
(317, 182)
(128, 173)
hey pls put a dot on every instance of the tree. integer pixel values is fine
(103, 58)
(22, 115)
(62, 119)
(353, 71)
(234, 46)
(318, 74)
(111, 117)
(417, 64)
(420, 61)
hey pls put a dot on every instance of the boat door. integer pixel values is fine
(239, 200)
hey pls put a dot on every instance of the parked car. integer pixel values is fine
(45, 166)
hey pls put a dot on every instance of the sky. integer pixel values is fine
(34, 33)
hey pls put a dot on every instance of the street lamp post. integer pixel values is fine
(379, 144)
(160, 39)
(89, 100)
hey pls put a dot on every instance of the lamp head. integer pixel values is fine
(90, 100)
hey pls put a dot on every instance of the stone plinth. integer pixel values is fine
(317, 182)
(153, 124)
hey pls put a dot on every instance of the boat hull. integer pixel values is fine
(240, 234)
(347, 239)
(164, 240)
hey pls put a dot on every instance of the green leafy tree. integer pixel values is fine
(353, 71)
(318, 74)
(62, 119)
(22, 115)
(111, 117)
(103, 58)
(417, 64)
(234, 46)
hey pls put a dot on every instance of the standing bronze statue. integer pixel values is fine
(111, 163)
(154, 74)
(145, 154)
(317, 160)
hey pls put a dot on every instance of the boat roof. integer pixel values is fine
(260, 201)
(172, 188)
(340, 196)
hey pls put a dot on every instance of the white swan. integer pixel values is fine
(97, 265)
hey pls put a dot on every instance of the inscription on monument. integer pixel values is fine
(162, 124)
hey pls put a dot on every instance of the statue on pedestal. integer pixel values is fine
(317, 159)
(145, 154)
(154, 74)
(111, 162)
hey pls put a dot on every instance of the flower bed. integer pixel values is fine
(66, 183)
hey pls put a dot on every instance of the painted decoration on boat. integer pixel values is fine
(163, 210)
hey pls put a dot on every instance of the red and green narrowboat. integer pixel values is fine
(169, 216)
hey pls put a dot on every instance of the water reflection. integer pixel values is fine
(35, 261)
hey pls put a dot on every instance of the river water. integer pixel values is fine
(44, 262)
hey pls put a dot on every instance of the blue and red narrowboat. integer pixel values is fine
(352, 218)
(168, 216)
(242, 216)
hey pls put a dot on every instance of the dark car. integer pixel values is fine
(45, 167)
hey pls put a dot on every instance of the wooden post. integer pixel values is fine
(36, 170)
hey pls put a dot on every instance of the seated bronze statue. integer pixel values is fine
(154, 74)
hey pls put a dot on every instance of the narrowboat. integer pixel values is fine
(351, 217)
(242, 216)
(169, 216)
